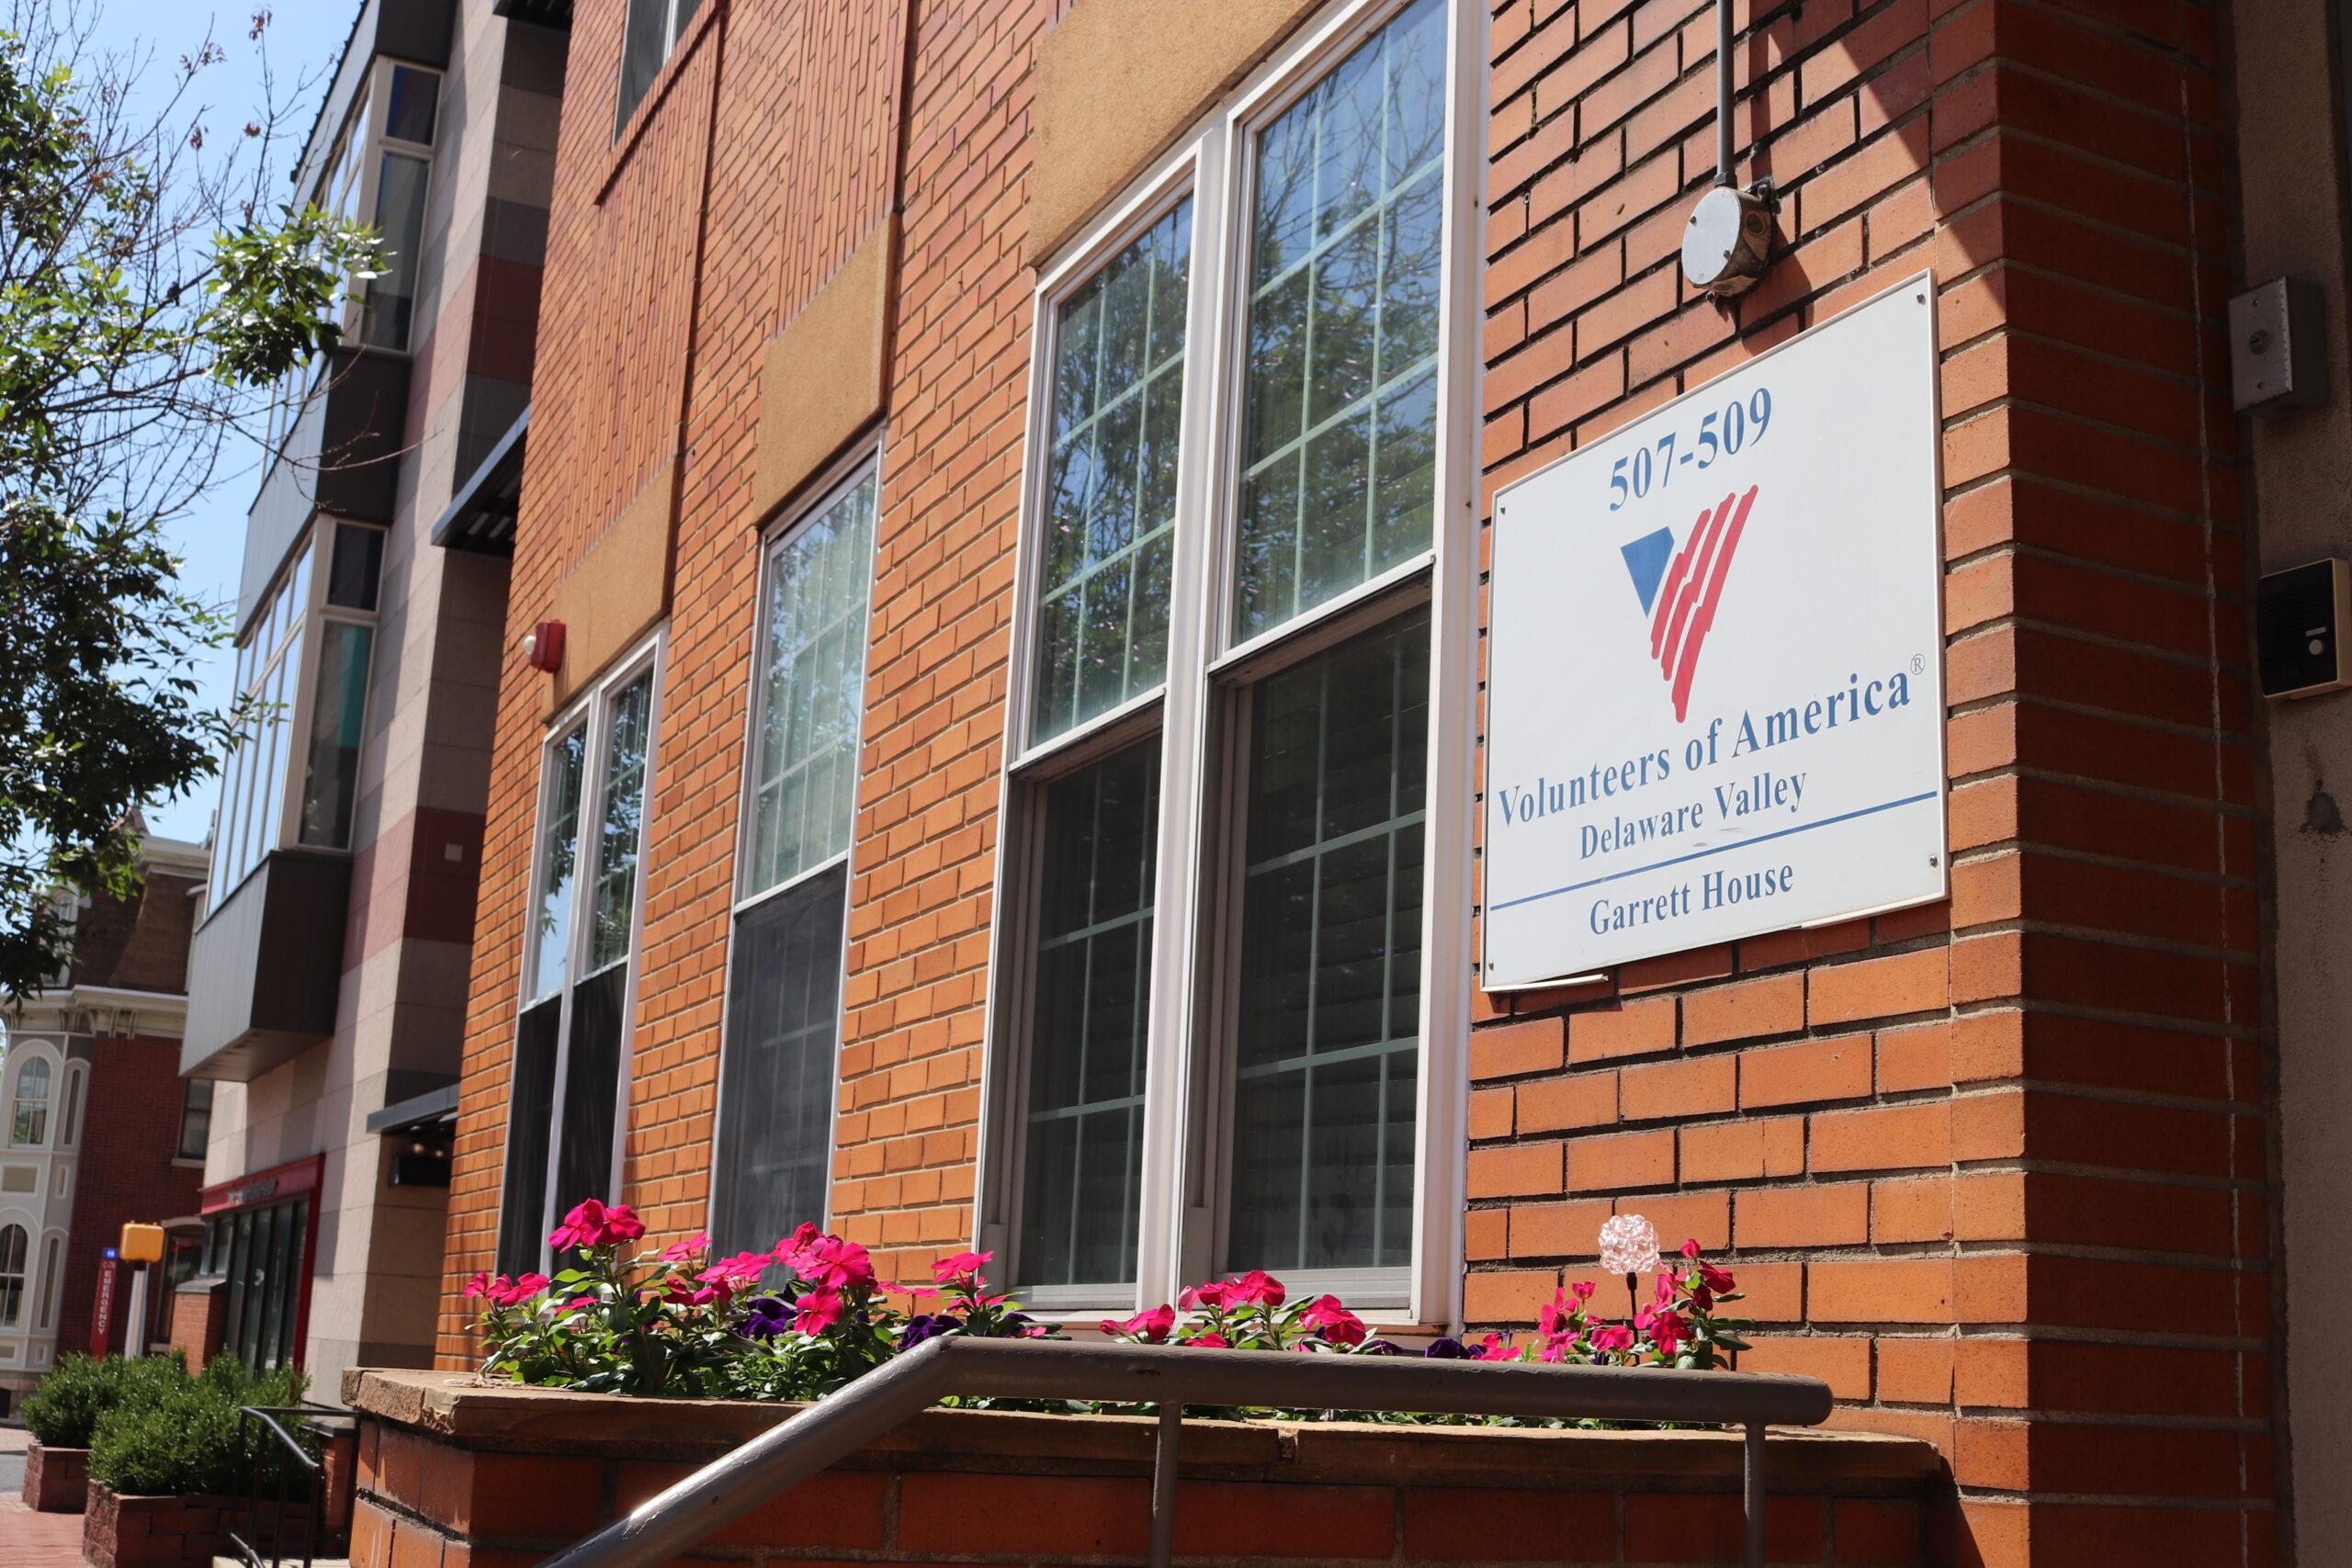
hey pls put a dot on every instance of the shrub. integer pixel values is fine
(182, 1436)
(65, 1410)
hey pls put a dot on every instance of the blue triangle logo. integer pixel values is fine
(1646, 558)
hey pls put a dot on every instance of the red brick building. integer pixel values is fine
(988, 569)
(100, 1131)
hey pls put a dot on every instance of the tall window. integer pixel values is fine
(302, 670)
(69, 1124)
(196, 1119)
(30, 1125)
(653, 30)
(15, 1248)
(47, 1283)
(261, 1253)
(1249, 511)
(564, 1101)
(776, 1091)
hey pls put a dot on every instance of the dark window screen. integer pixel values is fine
(529, 1111)
(776, 1078)
(265, 1266)
(1330, 1046)
(591, 1090)
(1083, 1152)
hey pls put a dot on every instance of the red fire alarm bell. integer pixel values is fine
(543, 646)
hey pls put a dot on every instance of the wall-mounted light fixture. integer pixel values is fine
(1727, 243)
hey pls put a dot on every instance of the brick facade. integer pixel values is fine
(127, 1172)
(1995, 1168)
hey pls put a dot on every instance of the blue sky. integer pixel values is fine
(303, 39)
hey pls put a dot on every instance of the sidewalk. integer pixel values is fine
(38, 1541)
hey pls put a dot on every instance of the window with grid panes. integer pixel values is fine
(571, 1041)
(1217, 945)
(777, 1072)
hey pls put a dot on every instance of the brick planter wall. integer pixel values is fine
(454, 1473)
(57, 1480)
(152, 1532)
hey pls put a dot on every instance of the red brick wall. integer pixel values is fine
(1993, 1168)
(130, 1131)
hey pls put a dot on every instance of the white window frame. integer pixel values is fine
(310, 619)
(1188, 1053)
(837, 480)
(594, 710)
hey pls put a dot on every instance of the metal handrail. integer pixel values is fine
(677, 1520)
(249, 1489)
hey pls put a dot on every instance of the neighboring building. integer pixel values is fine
(999, 757)
(333, 958)
(100, 1131)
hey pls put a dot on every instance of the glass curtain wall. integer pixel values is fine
(776, 1070)
(260, 1253)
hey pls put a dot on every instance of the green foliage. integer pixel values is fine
(180, 1436)
(147, 296)
(78, 1391)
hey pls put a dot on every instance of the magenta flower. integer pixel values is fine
(524, 1289)
(1211, 1294)
(679, 1251)
(1334, 1322)
(831, 1262)
(740, 1269)
(964, 1265)
(1582, 1290)
(1716, 1279)
(1667, 1330)
(480, 1284)
(1210, 1341)
(818, 1309)
(1255, 1287)
(1492, 1348)
(1611, 1336)
(591, 1224)
(1151, 1327)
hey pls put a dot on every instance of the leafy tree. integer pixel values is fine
(149, 298)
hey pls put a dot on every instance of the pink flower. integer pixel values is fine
(679, 1251)
(508, 1292)
(576, 1302)
(1211, 1294)
(1628, 1245)
(1716, 1279)
(962, 1266)
(1209, 1341)
(1152, 1328)
(1492, 1348)
(1559, 1317)
(740, 1269)
(1256, 1286)
(830, 1262)
(802, 1234)
(1334, 1322)
(591, 1224)
(1666, 1329)
(480, 1284)
(1691, 1248)
(1582, 1290)
(1611, 1336)
(820, 1310)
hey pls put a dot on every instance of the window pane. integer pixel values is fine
(48, 1272)
(617, 834)
(1118, 400)
(270, 758)
(69, 1125)
(196, 1119)
(522, 1219)
(812, 691)
(400, 219)
(776, 1074)
(409, 116)
(559, 858)
(12, 1275)
(1084, 1148)
(592, 1080)
(358, 569)
(1339, 434)
(1328, 1043)
(338, 713)
(31, 1120)
(644, 46)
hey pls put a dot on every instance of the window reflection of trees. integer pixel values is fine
(1340, 439)
(616, 844)
(561, 852)
(1118, 396)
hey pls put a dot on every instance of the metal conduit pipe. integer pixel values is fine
(677, 1520)
(1726, 244)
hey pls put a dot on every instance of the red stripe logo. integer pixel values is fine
(1685, 608)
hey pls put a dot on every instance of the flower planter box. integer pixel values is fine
(57, 1480)
(454, 1470)
(152, 1532)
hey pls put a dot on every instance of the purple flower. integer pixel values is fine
(768, 1316)
(1379, 1347)
(1448, 1350)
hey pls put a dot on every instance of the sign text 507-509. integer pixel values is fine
(1721, 434)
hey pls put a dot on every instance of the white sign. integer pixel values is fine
(1714, 703)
